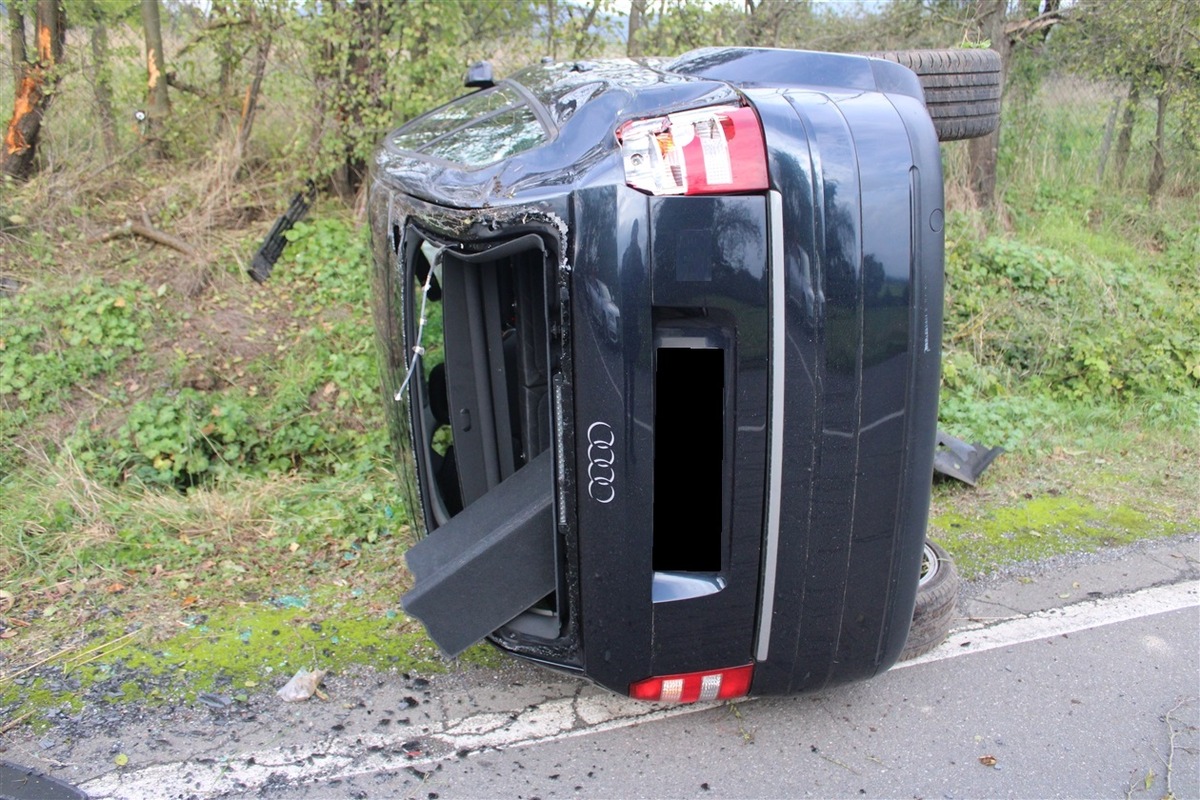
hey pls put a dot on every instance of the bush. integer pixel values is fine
(1080, 329)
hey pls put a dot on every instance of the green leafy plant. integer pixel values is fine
(314, 408)
(51, 339)
(178, 440)
(54, 339)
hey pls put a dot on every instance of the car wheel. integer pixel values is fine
(937, 602)
(962, 88)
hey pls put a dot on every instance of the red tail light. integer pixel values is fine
(714, 150)
(689, 687)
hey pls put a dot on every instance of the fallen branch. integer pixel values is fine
(1172, 733)
(80, 658)
(8, 678)
(131, 228)
(13, 723)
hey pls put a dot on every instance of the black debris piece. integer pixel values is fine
(961, 461)
(272, 246)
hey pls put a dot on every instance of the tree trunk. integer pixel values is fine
(35, 91)
(983, 153)
(250, 100)
(16, 33)
(1125, 137)
(158, 104)
(1158, 170)
(326, 59)
(356, 97)
(1106, 142)
(102, 80)
(637, 13)
(226, 65)
(364, 87)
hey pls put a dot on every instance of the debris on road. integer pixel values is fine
(302, 686)
(212, 700)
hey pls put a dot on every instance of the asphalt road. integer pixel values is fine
(1079, 680)
(1077, 715)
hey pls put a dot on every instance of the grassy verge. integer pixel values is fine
(194, 479)
(1072, 340)
(1095, 492)
(1078, 352)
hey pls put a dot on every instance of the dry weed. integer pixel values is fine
(91, 503)
(238, 512)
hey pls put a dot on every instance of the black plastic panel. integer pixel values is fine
(489, 563)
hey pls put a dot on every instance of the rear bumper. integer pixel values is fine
(740, 409)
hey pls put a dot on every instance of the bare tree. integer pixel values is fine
(222, 22)
(637, 14)
(35, 87)
(102, 77)
(263, 35)
(157, 101)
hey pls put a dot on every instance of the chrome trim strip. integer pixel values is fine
(774, 424)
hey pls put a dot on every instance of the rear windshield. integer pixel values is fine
(476, 130)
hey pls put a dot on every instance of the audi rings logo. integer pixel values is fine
(601, 455)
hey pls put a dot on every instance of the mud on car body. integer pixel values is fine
(660, 348)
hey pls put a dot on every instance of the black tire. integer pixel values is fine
(937, 603)
(962, 88)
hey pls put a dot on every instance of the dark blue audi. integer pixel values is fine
(660, 345)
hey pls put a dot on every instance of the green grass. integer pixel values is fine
(1041, 527)
(1092, 483)
(295, 448)
(172, 519)
(232, 648)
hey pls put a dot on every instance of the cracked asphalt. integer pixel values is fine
(1065, 679)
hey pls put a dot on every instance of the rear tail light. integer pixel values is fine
(689, 687)
(714, 150)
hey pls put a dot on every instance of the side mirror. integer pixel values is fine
(479, 76)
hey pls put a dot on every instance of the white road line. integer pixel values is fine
(979, 638)
(592, 711)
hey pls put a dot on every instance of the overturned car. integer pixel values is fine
(660, 348)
